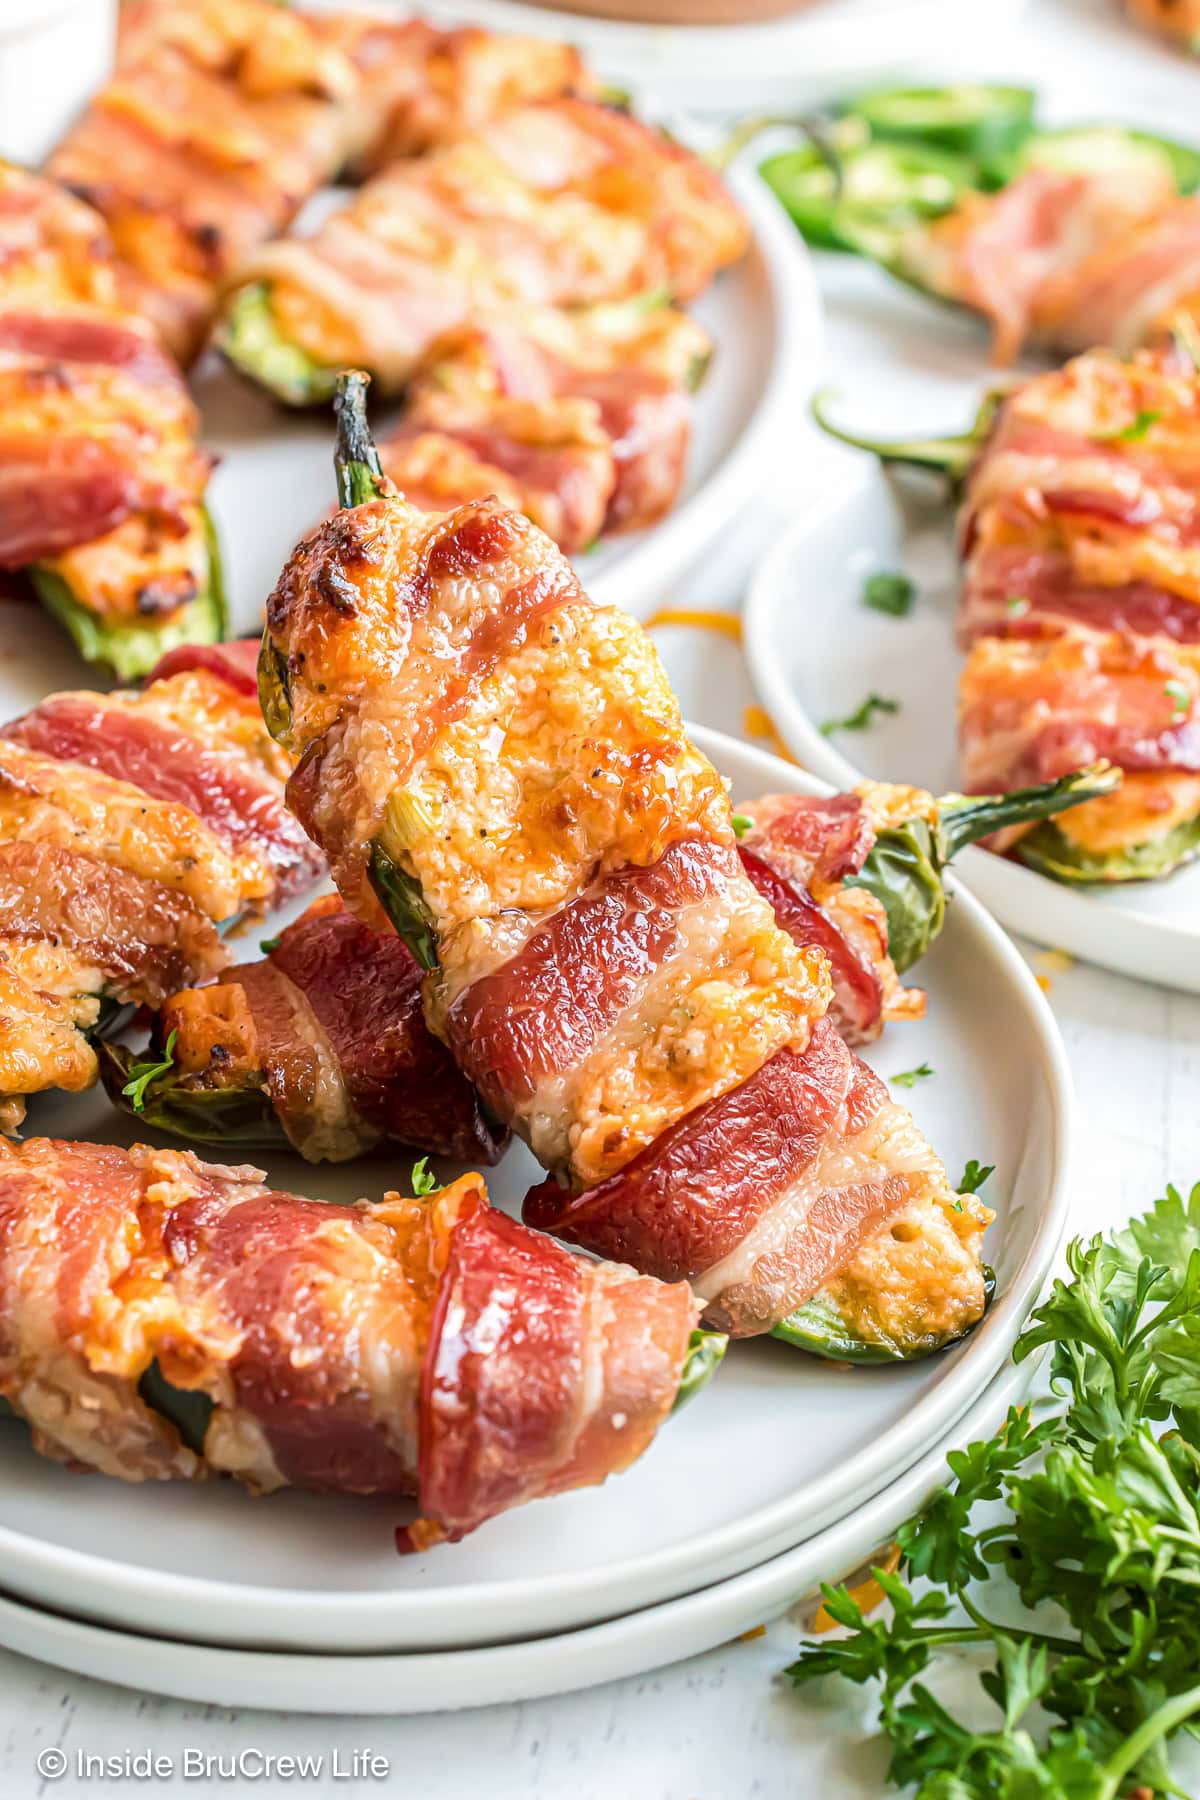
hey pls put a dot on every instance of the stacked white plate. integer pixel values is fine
(302, 1601)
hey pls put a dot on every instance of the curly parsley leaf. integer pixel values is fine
(1098, 1543)
(908, 1078)
(1132, 433)
(974, 1176)
(141, 1074)
(889, 592)
(863, 716)
(424, 1181)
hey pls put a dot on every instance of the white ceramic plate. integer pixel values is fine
(779, 1447)
(815, 652)
(827, 47)
(451, 1680)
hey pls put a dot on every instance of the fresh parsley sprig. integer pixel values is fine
(1102, 1523)
(424, 1181)
(862, 717)
(908, 1078)
(889, 592)
(141, 1074)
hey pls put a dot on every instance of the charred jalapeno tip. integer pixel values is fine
(705, 1352)
(131, 650)
(356, 461)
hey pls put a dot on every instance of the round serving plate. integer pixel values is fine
(815, 652)
(778, 1448)
(813, 53)
(451, 1680)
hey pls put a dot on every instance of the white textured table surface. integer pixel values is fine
(721, 1726)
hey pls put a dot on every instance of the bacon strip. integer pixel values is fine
(57, 493)
(763, 1194)
(542, 1012)
(238, 801)
(365, 989)
(236, 662)
(345, 1349)
(799, 851)
(143, 939)
(1030, 711)
(544, 1373)
(1021, 592)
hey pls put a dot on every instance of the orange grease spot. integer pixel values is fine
(727, 623)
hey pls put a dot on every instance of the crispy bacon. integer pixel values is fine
(541, 1013)
(56, 493)
(762, 1195)
(1019, 592)
(1031, 711)
(581, 420)
(454, 81)
(1125, 293)
(365, 989)
(344, 1349)
(101, 479)
(142, 939)
(239, 800)
(236, 662)
(130, 824)
(544, 1373)
(1022, 257)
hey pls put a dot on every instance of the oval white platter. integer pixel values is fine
(453, 1680)
(274, 479)
(779, 1447)
(822, 49)
(815, 652)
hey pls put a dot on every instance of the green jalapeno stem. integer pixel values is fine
(905, 870)
(948, 456)
(355, 459)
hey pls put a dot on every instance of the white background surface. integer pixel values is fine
(723, 1726)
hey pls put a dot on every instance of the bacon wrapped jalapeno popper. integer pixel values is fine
(1177, 19)
(322, 1046)
(224, 116)
(499, 767)
(101, 481)
(204, 1324)
(1081, 605)
(325, 1045)
(131, 825)
(566, 203)
(580, 419)
(1066, 258)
